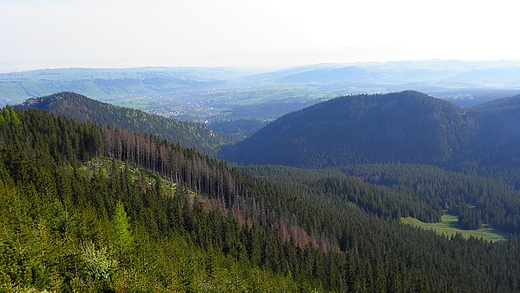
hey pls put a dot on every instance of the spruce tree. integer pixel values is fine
(120, 234)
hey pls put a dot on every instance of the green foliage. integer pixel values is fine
(493, 200)
(449, 227)
(71, 193)
(120, 233)
(99, 265)
(79, 247)
(7, 115)
(469, 219)
(81, 108)
(187, 274)
(404, 127)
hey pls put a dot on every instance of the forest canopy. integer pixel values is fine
(85, 207)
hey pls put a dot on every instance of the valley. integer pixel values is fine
(315, 179)
(215, 95)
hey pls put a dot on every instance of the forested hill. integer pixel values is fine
(405, 127)
(498, 142)
(95, 209)
(500, 104)
(81, 108)
(398, 127)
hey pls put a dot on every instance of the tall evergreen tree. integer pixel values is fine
(120, 233)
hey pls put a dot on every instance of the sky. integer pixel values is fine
(38, 34)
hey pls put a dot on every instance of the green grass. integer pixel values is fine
(140, 103)
(449, 227)
(259, 95)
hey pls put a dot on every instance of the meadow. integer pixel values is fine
(449, 227)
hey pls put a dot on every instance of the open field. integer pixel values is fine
(140, 103)
(449, 226)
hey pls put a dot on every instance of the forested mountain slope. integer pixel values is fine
(398, 127)
(75, 216)
(499, 104)
(87, 208)
(404, 127)
(423, 192)
(499, 141)
(81, 108)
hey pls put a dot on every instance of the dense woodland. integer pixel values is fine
(72, 220)
(81, 108)
(478, 200)
(90, 208)
(432, 156)
(406, 127)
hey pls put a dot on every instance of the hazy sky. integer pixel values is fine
(250, 33)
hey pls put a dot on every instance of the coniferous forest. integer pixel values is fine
(89, 208)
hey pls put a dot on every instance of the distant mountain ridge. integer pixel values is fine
(330, 75)
(403, 127)
(82, 108)
(466, 83)
(108, 83)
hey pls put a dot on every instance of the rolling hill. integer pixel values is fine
(81, 108)
(349, 74)
(398, 127)
(498, 143)
(403, 127)
(109, 82)
(99, 209)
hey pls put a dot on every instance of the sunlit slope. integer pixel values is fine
(81, 108)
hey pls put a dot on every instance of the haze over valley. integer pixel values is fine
(218, 96)
(259, 146)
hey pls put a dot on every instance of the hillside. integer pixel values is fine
(423, 192)
(404, 127)
(407, 127)
(349, 74)
(91, 209)
(500, 104)
(498, 143)
(228, 94)
(109, 82)
(81, 108)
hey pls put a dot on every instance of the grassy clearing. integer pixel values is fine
(449, 227)
(140, 103)
(268, 94)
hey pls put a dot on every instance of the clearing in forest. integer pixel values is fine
(449, 226)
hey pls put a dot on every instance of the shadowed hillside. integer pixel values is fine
(99, 209)
(398, 127)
